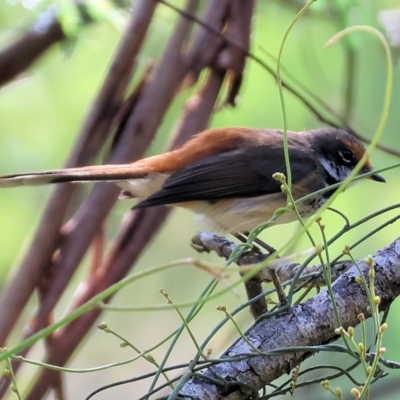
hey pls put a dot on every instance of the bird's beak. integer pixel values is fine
(377, 178)
(374, 177)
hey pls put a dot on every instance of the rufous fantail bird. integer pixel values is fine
(225, 174)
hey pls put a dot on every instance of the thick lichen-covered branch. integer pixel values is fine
(311, 323)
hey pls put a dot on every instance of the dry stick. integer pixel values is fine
(198, 109)
(349, 81)
(58, 388)
(58, 381)
(92, 137)
(232, 58)
(308, 324)
(98, 246)
(137, 135)
(206, 45)
(44, 33)
(20, 55)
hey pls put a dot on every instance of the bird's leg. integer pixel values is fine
(274, 276)
(253, 285)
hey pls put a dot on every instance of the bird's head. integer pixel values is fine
(339, 152)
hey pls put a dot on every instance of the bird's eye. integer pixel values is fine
(347, 155)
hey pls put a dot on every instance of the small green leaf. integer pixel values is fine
(69, 17)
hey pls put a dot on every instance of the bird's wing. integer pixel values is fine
(232, 174)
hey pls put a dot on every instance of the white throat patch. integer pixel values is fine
(337, 172)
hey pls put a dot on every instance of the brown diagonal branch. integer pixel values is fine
(21, 54)
(206, 44)
(140, 128)
(92, 137)
(45, 32)
(232, 57)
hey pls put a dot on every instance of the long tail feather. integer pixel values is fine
(83, 174)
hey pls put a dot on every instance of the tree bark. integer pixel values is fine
(308, 324)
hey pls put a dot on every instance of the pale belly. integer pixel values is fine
(240, 215)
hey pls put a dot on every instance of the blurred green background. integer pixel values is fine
(42, 111)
